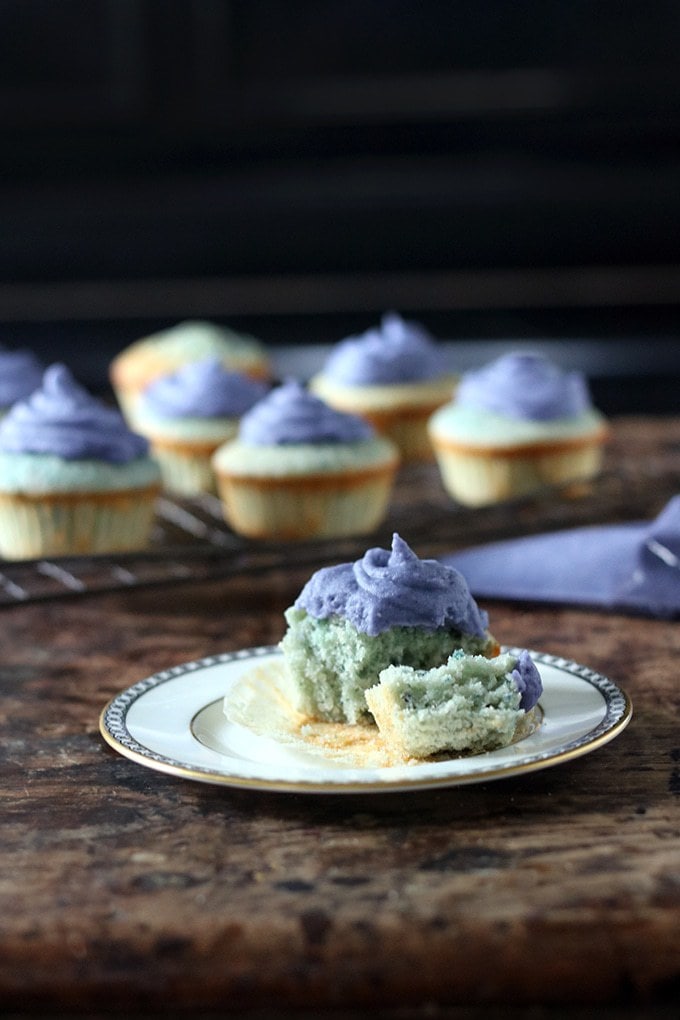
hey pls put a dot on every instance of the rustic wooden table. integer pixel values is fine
(126, 890)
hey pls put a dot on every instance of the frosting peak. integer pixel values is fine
(386, 589)
(395, 352)
(20, 374)
(203, 389)
(63, 419)
(291, 414)
(525, 385)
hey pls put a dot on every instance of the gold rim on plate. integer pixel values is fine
(153, 724)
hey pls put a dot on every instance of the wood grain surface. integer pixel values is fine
(122, 889)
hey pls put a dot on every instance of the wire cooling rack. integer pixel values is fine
(192, 542)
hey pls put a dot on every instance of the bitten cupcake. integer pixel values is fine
(188, 414)
(73, 477)
(469, 705)
(394, 376)
(136, 367)
(352, 621)
(299, 469)
(515, 426)
(20, 373)
(388, 660)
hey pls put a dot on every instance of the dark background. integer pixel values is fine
(498, 170)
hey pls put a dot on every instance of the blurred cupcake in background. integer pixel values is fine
(137, 366)
(20, 374)
(394, 376)
(300, 469)
(73, 478)
(188, 414)
(514, 426)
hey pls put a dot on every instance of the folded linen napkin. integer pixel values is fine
(631, 567)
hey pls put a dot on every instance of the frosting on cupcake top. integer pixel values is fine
(192, 340)
(199, 339)
(63, 419)
(20, 373)
(525, 385)
(291, 414)
(395, 352)
(386, 589)
(203, 389)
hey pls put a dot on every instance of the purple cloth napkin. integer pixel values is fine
(632, 567)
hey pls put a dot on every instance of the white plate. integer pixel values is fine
(174, 722)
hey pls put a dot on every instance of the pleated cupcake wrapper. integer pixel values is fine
(184, 474)
(319, 506)
(75, 523)
(479, 477)
(399, 411)
(186, 467)
(407, 427)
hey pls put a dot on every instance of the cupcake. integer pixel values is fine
(354, 620)
(394, 376)
(299, 469)
(515, 426)
(20, 373)
(188, 414)
(469, 705)
(389, 660)
(73, 477)
(134, 368)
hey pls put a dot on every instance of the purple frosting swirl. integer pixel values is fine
(203, 389)
(393, 589)
(525, 385)
(291, 414)
(20, 374)
(61, 418)
(527, 680)
(396, 352)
